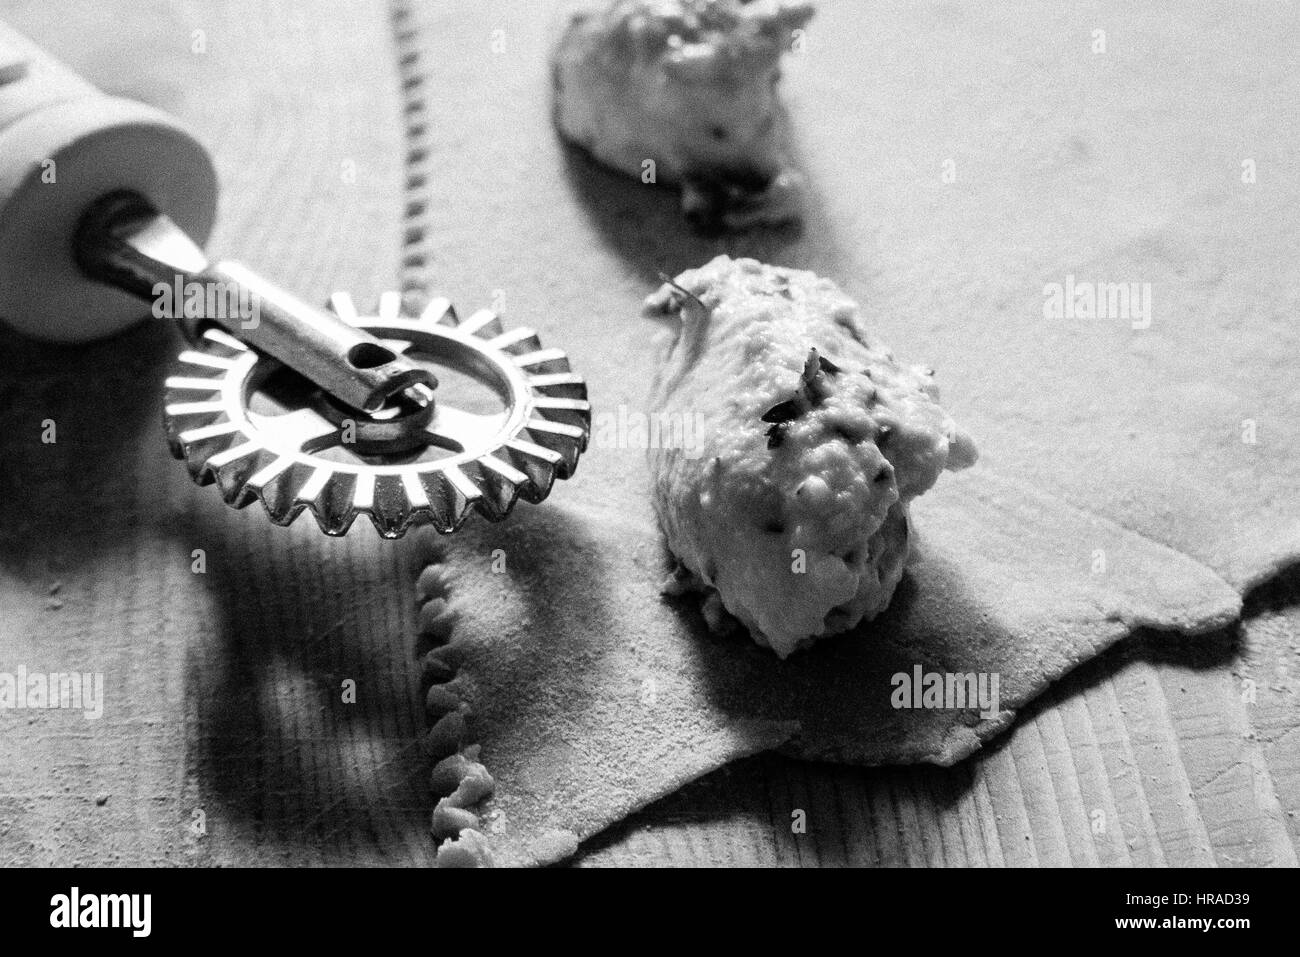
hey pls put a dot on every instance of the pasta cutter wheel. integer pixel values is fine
(277, 400)
(259, 431)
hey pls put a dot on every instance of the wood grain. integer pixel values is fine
(223, 689)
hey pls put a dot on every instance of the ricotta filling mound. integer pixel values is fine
(684, 92)
(793, 515)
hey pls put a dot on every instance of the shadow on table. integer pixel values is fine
(308, 746)
(73, 422)
(295, 773)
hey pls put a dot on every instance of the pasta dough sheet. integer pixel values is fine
(1114, 490)
(590, 694)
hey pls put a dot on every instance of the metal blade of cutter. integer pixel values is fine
(125, 242)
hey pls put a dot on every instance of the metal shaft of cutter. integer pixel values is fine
(125, 242)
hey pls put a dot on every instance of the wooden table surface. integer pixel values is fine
(220, 743)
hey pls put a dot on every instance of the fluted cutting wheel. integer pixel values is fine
(509, 418)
